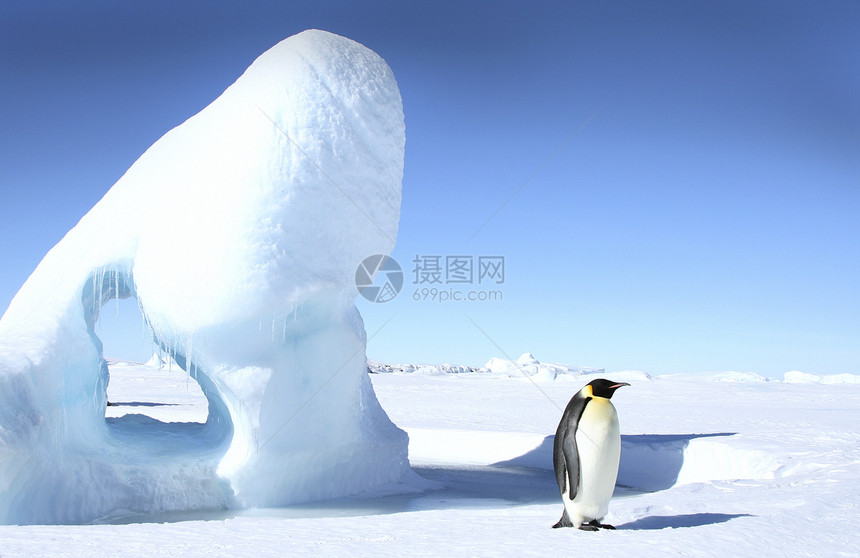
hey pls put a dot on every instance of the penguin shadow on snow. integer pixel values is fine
(657, 522)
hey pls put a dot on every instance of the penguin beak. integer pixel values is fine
(618, 385)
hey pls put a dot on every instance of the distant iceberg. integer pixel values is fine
(525, 366)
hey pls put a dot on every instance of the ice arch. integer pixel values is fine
(238, 232)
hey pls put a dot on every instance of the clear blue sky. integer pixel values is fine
(687, 174)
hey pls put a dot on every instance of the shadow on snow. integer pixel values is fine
(657, 522)
(140, 404)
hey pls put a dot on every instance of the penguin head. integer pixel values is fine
(604, 388)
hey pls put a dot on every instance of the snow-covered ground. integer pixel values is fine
(720, 465)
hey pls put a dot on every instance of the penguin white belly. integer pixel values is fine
(598, 441)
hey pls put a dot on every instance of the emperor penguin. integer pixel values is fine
(586, 454)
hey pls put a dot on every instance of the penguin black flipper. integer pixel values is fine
(565, 453)
(571, 461)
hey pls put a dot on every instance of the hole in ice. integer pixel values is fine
(141, 382)
(123, 332)
(156, 409)
(165, 393)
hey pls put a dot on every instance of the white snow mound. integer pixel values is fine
(732, 376)
(527, 366)
(161, 362)
(239, 233)
(798, 377)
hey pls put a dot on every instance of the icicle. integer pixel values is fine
(95, 307)
(116, 293)
(99, 288)
(194, 361)
(145, 329)
(97, 298)
(188, 358)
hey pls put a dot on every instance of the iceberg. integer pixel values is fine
(238, 233)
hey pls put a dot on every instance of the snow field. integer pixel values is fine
(710, 468)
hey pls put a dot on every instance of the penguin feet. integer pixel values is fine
(594, 525)
(563, 522)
